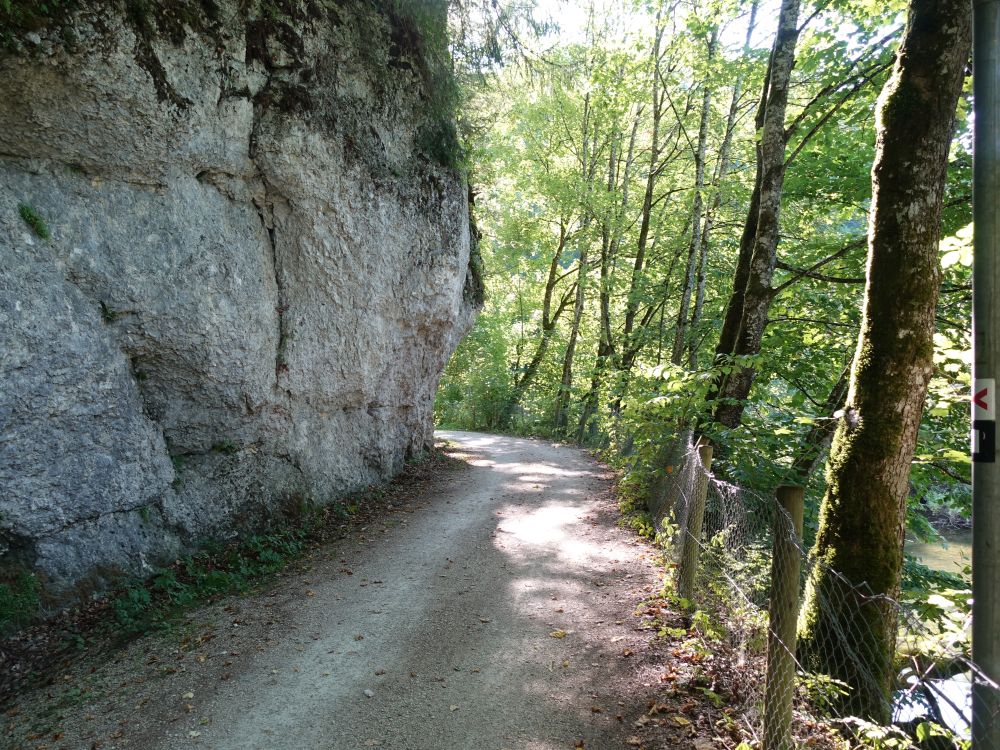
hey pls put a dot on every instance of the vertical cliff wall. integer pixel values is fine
(232, 267)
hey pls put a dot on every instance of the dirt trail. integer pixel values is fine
(439, 628)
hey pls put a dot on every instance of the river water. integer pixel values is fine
(950, 699)
(951, 555)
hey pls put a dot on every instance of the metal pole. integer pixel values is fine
(986, 349)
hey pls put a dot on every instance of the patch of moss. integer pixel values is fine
(34, 220)
(439, 141)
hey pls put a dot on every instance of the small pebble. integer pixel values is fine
(370, 693)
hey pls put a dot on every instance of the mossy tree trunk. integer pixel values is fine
(849, 621)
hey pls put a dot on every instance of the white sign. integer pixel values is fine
(984, 401)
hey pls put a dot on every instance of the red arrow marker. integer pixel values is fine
(980, 399)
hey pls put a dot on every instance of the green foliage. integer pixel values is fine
(28, 15)
(226, 447)
(19, 600)
(155, 604)
(34, 220)
(875, 736)
(821, 691)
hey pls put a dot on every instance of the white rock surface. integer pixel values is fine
(253, 281)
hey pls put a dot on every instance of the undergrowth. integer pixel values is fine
(18, 601)
(235, 568)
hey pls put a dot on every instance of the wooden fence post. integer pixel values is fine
(691, 533)
(783, 613)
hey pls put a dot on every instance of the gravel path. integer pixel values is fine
(494, 613)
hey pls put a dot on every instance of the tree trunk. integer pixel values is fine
(756, 297)
(560, 418)
(734, 308)
(566, 382)
(859, 546)
(721, 172)
(695, 247)
(549, 320)
(820, 434)
(610, 241)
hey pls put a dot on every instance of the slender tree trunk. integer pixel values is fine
(566, 382)
(756, 297)
(632, 301)
(721, 172)
(734, 308)
(604, 348)
(820, 434)
(610, 241)
(695, 246)
(549, 320)
(583, 269)
(859, 547)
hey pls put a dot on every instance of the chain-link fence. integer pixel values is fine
(810, 648)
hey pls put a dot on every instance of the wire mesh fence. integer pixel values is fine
(814, 655)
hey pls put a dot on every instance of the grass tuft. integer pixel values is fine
(34, 220)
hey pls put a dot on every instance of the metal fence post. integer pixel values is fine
(783, 612)
(986, 346)
(693, 524)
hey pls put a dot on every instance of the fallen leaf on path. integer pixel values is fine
(558, 634)
(680, 720)
(453, 707)
(634, 741)
(188, 696)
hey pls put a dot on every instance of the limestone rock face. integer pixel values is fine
(254, 276)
